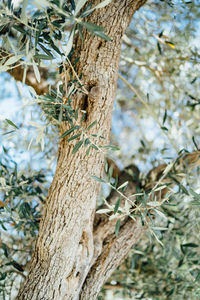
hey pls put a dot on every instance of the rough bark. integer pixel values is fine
(64, 261)
(110, 249)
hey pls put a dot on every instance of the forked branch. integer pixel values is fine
(110, 250)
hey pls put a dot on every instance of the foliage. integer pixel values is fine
(171, 272)
(160, 54)
(156, 116)
(41, 30)
(22, 196)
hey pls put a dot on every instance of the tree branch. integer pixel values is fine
(114, 250)
(17, 72)
(156, 176)
(110, 249)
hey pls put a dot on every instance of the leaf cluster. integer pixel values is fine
(21, 201)
(38, 34)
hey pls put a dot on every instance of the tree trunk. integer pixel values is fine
(69, 261)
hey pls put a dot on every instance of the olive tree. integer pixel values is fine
(77, 250)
